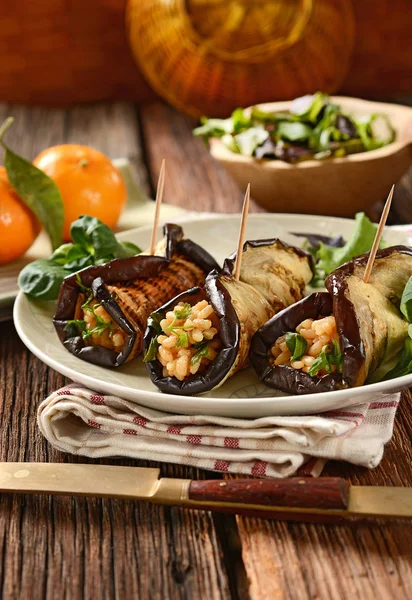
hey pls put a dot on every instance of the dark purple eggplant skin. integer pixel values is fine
(344, 311)
(229, 264)
(97, 277)
(315, 306)
(282, 377)
(229, 333)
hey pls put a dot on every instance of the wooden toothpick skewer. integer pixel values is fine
(159, 198)
(245, 211)
(378, 236)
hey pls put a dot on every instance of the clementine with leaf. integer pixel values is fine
(18, 225)
(88, 182)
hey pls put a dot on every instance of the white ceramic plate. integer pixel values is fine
(242, 395)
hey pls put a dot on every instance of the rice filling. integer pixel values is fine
(312, 348)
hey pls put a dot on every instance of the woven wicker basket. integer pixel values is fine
(209, 56)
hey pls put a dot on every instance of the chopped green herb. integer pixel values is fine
(182, 340)
(183, 312)
(296, 344)
(202, 352)
(75, 326)
(330, 355)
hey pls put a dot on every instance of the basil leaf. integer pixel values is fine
(293, 132)
(329, 355)
(154, 322)
(151, 353)
(296, 344)
(126, 249)
(72, 256)
(249, 140)
(94, 236)
(406, 301)
(37, 190)
(59, 256)
(202, 351)
(42, 279)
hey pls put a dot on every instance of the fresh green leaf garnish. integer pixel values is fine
(202, 351)
(154, 322)
(73, 327)
(296, 344)
(406, 301)
(93, 236)
(182, 340)
(361, 240)
(94, 244)
(330, 355)
(151, 353)
(37, 190)
(42, 279)
(184, 312)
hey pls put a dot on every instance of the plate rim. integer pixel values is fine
(223, 405)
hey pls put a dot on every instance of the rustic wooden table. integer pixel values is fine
(56, 547)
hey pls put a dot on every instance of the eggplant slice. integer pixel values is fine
(279, 271)
(272, 276)
(370, 326)
(125, 292)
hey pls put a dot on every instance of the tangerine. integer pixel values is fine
(88, 181)
(19, 227)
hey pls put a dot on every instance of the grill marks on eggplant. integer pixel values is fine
(273, 275)
(129, 290)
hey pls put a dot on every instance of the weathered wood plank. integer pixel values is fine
(86, 548)
(193, 178)
(356, 560)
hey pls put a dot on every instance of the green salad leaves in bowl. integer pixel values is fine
(317, 154)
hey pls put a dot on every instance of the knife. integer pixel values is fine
(327, 499)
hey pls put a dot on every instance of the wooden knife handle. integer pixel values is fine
(326, 493)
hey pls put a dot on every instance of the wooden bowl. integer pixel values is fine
(336, 186)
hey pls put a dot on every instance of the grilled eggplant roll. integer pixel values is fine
(202, 337)
(278, 271)
(341, 338)
(102, 310)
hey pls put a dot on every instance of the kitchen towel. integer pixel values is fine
(82, 422)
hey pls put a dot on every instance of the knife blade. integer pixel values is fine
(328, 498)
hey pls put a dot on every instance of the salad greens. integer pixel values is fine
(93, 244)
(36, 189)
(329, 256)
(403, 364)
(314, 127)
